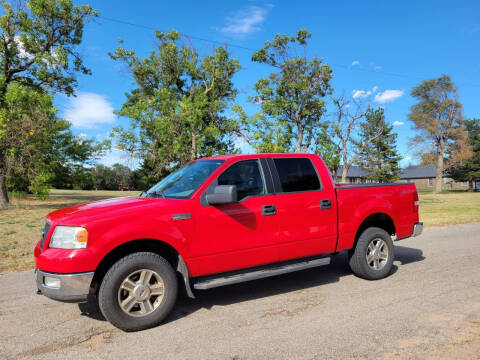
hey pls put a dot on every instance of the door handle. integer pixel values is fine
(325, 204)
(269, 210)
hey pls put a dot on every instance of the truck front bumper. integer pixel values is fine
(64, 287)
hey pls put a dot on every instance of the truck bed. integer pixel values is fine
(357, 201)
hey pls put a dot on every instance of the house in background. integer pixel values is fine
(355, 175)
(423, 176)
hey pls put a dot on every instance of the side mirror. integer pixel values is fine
(222, 194)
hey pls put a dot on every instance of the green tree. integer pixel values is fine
(177, 108)
(103, 178)
(26, 118)
(110, 178)
(469, 170)
(328, 148)
(81, 178)
(140, 180)
(37, 143)
(122, 176)
(69, 154)
(379, 158)
(438, 118)
(40, 185)
(37, 52)
(291, 99)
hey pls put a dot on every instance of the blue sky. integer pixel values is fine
(379, 49)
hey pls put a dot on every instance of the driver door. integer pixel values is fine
(238, 235)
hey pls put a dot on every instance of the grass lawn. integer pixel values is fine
(22, 222)
(449, 208)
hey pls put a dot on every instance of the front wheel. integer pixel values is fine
(373, 255)
(138, 291)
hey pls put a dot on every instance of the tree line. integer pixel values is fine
(102, 177)
(183, 106)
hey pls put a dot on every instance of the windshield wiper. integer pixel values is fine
(157, 194)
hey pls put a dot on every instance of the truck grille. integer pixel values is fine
(45, 230)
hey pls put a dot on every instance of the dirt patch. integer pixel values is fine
(453, 336)
(305, 301)
(94, 337)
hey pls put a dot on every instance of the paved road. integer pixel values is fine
(428, 308)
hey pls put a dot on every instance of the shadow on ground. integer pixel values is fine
(408, 255)
(261, 288)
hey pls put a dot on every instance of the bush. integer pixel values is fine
(40, 185)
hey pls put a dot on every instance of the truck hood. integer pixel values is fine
(82, 213)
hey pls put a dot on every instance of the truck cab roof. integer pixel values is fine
(256, 156)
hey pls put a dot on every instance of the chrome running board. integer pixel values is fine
(258, 272)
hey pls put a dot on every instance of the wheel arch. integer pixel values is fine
(138, 245)
(378, 219)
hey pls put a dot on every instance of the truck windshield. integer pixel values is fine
(182, 183)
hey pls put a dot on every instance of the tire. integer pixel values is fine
(131, 284)
(367, 260)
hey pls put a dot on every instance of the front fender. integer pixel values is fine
(165, 232)
(162, 227)
(105, 236)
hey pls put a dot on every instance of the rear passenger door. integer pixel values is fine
(306, 210)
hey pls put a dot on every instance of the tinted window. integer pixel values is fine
(297, 174)
(246, 176)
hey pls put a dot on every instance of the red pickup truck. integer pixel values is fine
(218, 221)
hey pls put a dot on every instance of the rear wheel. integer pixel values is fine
(138, 291)
(373, 255)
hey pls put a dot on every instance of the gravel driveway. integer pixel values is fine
(429, 307)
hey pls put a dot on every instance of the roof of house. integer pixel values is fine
(418, 172)
(353, 171)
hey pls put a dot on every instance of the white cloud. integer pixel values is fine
(363, 93)
(355, 63)
(246, 21)
(360, 93)
(88, 110)
(388, 96)
(398, 123)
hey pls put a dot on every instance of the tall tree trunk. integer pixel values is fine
(439, 178)
(194, 146)
(344, 174)
(471, 185)
(3, 188)
(345, 165)
(300, 138)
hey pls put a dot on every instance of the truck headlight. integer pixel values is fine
(69, 237)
